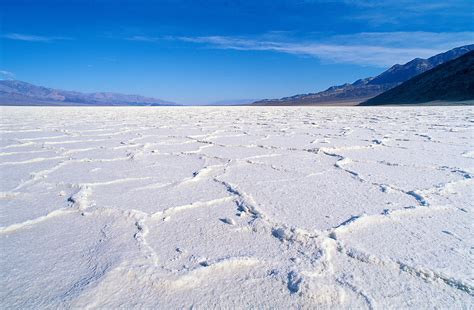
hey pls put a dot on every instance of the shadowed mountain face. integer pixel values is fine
(364, 89)
(451, 81)
(14, 92)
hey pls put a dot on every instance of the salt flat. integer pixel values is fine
(237, 207)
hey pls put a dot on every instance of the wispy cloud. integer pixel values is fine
(6, 75)
(380, 49)
(434, 40)
(392, 12)
(407, 4)
(143, 38)
(426, 6)
(33, 38)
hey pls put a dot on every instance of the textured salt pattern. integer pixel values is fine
(237, 207)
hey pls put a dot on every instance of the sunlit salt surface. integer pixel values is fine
(237, 207)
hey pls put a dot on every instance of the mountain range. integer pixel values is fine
(364, 89)
(14, 92)
(450, 81)
(400, 82)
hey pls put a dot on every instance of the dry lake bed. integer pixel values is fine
(237, 207)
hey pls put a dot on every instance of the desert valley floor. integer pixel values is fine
(237, 207)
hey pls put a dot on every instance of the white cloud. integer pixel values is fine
(6, 75)
(405, 5)
(32, 38)
(400, 12)
(435, 40)
(143, 38)
(379, 49)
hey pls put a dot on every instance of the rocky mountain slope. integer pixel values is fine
(14, 92)
(364, 89)
(451, 81)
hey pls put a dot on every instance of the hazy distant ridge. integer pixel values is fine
(14, 92)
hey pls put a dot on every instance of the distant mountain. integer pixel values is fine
(364, 89)
(13, 92)
(450, 81)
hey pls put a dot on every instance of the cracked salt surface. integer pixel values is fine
(237, 207)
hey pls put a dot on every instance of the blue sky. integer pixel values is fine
(196, 52)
